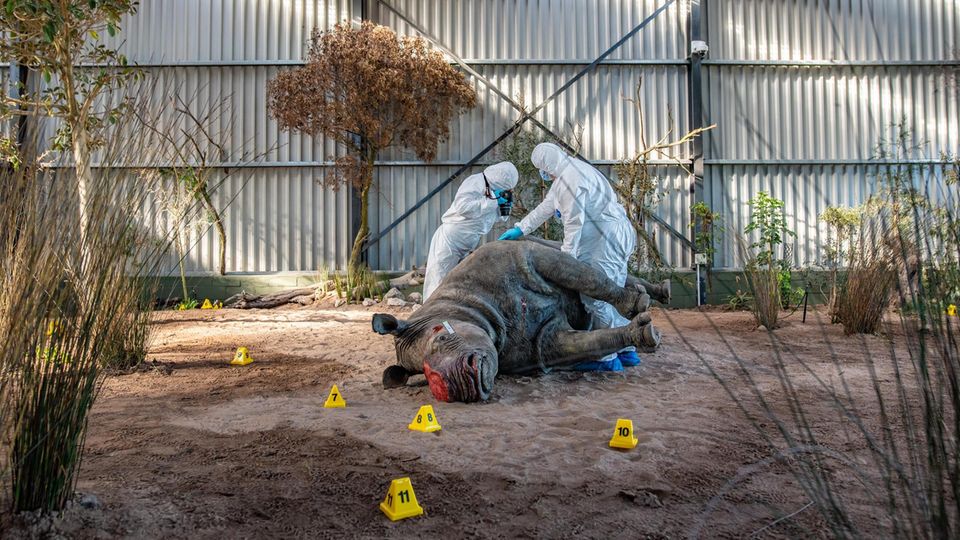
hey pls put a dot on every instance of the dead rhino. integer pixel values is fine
(513, 308)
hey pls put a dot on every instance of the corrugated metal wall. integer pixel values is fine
(804, 91)
(801, 91)
(278, 215)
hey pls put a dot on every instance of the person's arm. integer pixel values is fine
(540, 214)
(471, 203)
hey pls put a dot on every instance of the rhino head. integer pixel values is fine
(458, 358)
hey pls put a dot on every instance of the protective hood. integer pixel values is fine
(550, 158)
(502, 176)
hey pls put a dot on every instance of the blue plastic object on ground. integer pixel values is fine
(629, 358)
(512, 234)
(597, 365)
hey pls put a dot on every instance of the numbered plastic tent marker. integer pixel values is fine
(335, 399)
(401, 502)
(206, 304)
(425, 420)
(242, 357)
(952, 310)
(623, 436)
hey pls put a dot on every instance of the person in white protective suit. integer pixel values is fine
(474, 210)
(595, 231)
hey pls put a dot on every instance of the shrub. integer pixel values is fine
(765, 260)
(871, 277)
(842, 222)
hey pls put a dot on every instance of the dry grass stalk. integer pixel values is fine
(67, 314)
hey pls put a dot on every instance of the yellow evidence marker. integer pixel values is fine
(425, 420)
(335, 399)
(242, 357)
(952, 310)
(623, 435)
(401, 503)
(206, 304)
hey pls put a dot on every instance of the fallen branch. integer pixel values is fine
(303, 296)
(410, 279)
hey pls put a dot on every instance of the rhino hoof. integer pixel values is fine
(649, 338)
(664, 292)
(643, 304)
(395, 377)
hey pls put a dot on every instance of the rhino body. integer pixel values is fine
(513, 308)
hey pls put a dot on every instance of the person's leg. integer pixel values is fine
(442, 258)
(609, 251)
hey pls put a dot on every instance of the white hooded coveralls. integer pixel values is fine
(595, 226)
(471, 216)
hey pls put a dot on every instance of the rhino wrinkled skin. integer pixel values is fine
(513, 308)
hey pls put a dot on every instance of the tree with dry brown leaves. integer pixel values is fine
(369, 90)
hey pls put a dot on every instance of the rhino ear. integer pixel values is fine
(395, 377)
(384, 323)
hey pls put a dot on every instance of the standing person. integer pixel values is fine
(595, 231)
(472, 215)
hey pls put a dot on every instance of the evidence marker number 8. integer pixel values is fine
(425, 420)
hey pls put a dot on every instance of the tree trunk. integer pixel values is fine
(81, 156)
(183, 275)
(364, 232)
(217, 222)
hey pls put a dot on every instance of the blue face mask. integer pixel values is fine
(545, 176)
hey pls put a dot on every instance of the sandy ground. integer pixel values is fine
(193, 447)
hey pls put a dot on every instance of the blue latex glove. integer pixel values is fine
(545, 176)
(513, 234)
(609, 365)
(629, 358)
(498, 193)
(557, 214)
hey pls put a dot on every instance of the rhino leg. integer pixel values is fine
(567, 347)
(659, 291)
(574, 275)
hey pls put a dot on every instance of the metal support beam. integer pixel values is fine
(695, 89)
(525, 117)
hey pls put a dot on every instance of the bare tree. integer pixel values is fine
(639, 187)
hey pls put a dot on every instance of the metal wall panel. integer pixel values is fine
(543, 30)
(834, 30)
(826, 113)
(276, 220)
(224, 31)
